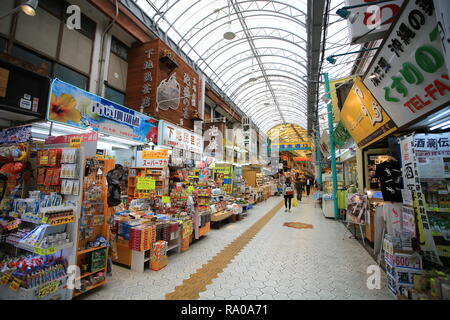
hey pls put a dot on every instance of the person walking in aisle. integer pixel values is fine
(288, 193)
(308, 186)
(299, 187)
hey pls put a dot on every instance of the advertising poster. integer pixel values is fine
(356, 208)
(78, 108)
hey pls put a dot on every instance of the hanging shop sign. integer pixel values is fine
(163, 85)
(152, 158)
(78, 108)
(341, 136)
(16, 135)
(302, 159)
(433, 155)
(443, 17)
(409, 76)
(175, 136)
(67, 139)
(363, 117)
(213, 140)
(324, 144)
(371, 22)
(155, 154)
(339, 89)
(23, 93)
(290, 146)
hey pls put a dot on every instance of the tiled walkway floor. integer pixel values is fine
(278, 263)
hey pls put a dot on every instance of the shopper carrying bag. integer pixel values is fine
(288, 193)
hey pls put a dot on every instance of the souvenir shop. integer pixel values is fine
(132, 192)
(401, 212)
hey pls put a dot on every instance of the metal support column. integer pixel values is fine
(332, 148)
(318, 157)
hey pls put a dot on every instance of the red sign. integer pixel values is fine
(302, 159)
(85, 137)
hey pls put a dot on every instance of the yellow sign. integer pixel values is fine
(61, 220)
(146, 183)
(363, 116)
(155, 154)
(165, 199)
(334, 87)
(48, 289)
(75, 142)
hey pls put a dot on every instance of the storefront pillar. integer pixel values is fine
(332, 148)
(318, 158)
(359, 170)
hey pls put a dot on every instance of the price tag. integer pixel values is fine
(5, 278)
(75, 142)
(39, 251)
(15, 284)
(165, 199)
(50, 251)
(45, 220)
(48, 289)
(145, 183)
(62, 220)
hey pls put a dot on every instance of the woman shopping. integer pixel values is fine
(288, 193)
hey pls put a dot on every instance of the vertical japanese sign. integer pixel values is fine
(411, 181)
(213, 141)
(408, 77)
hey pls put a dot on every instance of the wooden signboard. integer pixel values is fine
(163, 84)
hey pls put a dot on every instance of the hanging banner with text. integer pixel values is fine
(408, 76)
(363, 117)
(78, 108)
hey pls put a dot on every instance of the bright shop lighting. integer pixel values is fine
(440, 125)
(440, 115)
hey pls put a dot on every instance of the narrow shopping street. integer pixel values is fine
(279, 263)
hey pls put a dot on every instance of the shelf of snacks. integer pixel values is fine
(147, 183)
(93, 230)
(39, 231)
(147, 222)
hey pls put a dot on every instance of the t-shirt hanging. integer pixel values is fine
(391, 181)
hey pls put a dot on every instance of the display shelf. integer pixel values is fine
(94, 195)
(89, 273)
(54, 249)
(90, 250)
(98, 284)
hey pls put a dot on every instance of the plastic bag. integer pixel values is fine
(294, 202)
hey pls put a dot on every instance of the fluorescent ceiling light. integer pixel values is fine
(109, 138)
(446, 127)
(439, 115)
(440, 125)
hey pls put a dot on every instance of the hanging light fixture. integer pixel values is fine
(229, 33)
(29, 7)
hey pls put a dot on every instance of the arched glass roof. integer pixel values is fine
(263, 69)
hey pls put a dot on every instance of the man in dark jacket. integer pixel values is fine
(299, 188)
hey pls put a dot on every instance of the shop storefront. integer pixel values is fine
(401, 205)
